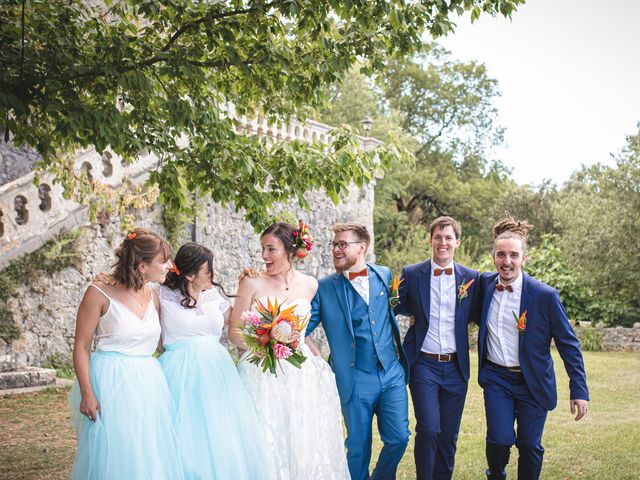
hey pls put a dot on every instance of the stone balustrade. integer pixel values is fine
(31, 214)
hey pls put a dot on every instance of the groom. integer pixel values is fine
(366, 354)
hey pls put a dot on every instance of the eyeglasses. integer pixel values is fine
(341, 245)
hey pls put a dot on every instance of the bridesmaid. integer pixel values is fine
(122, 410)
(216, 421)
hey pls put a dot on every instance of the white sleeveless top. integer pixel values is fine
(120, 330)
(180, 323)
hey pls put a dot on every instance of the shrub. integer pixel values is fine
(591, 339)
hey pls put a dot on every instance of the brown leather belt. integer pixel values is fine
(511, 369)
(441, 357)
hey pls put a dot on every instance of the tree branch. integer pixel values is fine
(22, 44)
(212, 17)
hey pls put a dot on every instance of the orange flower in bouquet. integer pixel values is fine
(273, 333)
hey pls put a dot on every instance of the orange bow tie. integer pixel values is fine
(502, 288)
(439, 271)
(361, 273)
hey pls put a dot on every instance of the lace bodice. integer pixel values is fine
(121, 330)
(180, 323)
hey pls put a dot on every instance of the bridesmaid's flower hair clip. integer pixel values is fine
(131, 236)
(175, 270)
(302, 240)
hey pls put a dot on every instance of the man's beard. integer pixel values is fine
(347, 264)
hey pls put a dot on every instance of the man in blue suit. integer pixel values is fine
(520, 317)
(366, 354)
(441, 295)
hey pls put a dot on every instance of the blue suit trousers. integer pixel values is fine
(438, 391)
(383, 393)
(507, 400)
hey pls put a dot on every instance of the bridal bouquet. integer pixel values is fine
(272, 333)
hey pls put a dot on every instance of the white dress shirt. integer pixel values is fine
(503, 336)
(361, 284)
(441, 336)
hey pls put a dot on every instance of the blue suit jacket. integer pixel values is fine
(415, 300)
(546, 320)
(330, 307)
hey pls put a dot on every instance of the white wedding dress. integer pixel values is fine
(300, 410)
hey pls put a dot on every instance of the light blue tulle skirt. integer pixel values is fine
(216, 422)
(134, 435)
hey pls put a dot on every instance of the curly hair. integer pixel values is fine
(511, 227)
(140, 246)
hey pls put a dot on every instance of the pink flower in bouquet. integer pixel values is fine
(282, 332)
(252, 317)
(281, 351)
(272, 333)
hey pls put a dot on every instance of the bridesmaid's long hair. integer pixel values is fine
(139, 246)
(188, 261)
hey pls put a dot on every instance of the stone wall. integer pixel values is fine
(615, 339)
(44, 307)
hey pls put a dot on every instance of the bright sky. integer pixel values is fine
(569, 72)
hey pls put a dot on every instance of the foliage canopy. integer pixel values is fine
(157, 74)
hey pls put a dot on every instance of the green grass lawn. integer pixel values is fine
(37, 441)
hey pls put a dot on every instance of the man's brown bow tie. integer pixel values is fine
(439, 271)
(361, 273)
(502, 288)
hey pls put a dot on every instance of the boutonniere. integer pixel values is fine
(394, 296)
(521, 323)
(463, 290)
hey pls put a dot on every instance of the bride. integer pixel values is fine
(299, 408)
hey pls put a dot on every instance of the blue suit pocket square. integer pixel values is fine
(381, 293)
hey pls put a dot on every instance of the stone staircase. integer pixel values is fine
(16, 380)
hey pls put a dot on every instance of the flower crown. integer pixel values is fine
(302, 240)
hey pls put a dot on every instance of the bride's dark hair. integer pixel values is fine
(188, 261)
(284, 232)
